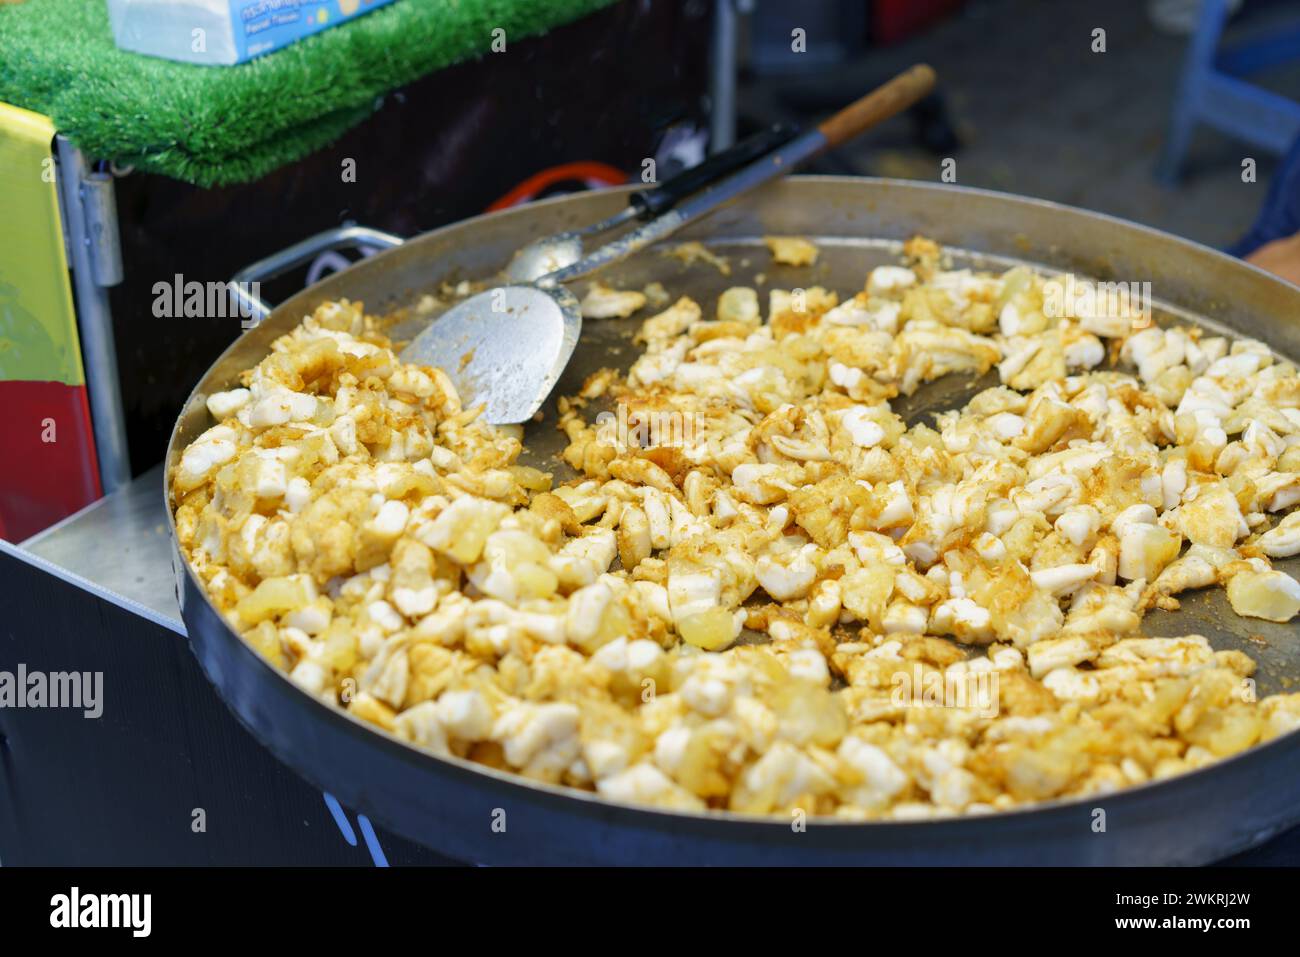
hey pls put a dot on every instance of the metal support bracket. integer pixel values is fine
(722, 73)
(89, 213)
(243, 286)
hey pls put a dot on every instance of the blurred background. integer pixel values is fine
(1027, 106)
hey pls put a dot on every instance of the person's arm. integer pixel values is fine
(1281, 257)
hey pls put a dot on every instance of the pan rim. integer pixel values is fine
(410, 753)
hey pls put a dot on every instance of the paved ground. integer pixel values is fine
(1041, 114)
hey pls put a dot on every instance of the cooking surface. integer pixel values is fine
(1168, 822)
(842, 267)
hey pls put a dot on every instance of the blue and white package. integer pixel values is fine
(224, 31)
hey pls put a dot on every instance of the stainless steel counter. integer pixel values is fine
(117, 548)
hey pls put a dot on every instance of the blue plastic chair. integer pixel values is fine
(1212, 91)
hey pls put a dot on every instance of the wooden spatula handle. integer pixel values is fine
(880, 104)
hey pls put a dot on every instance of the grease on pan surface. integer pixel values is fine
(765, 592)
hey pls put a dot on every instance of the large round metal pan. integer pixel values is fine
(476, 814)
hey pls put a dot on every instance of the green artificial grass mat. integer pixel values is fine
(218, 125)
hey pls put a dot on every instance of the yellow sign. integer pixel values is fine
(38, 324)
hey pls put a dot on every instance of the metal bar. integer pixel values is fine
(722, 77)
(651, 202)
(99, 207)
(884, 101)
(250, 305)
(772, 166)
(94, 317)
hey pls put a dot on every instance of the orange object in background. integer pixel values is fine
(48, 467)
(591, 174)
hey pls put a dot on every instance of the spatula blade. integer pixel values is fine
(504, 348)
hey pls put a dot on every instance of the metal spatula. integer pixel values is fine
(505, 348)
(546, 255)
